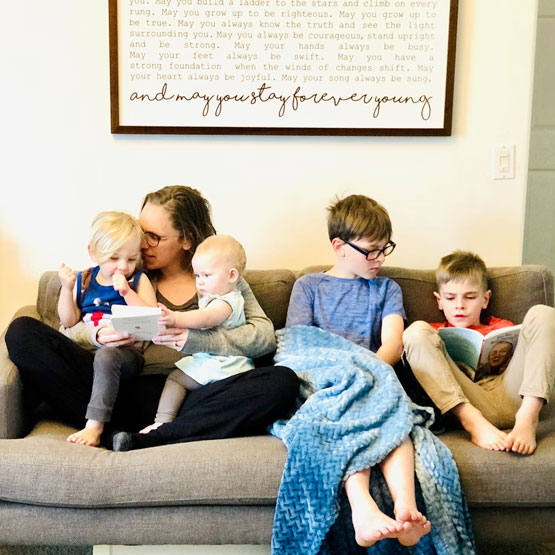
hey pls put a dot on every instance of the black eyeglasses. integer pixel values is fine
(373, 254)
(153, 240)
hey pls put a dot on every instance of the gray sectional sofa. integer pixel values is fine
(223, 492)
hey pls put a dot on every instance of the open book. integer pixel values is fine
(139, 321)
(481, 355)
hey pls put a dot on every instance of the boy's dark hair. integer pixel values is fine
(461, 265)
(358, 217)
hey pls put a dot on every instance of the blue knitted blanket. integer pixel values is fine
(354, 413)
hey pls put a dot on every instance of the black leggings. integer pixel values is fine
(56, 370)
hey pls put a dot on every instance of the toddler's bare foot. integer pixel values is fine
(418, 525)
(154, 426)
(89, 435)
(482, 432)
(522, 438)
(371, 525)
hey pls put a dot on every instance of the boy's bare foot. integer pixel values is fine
(522, 438)
(482, 432)
(154, 426)
(418, 526)
(371, 525)
(89, 435)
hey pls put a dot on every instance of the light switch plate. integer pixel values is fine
(503, 161)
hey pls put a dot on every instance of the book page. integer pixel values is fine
(139, 321)
(462, 344)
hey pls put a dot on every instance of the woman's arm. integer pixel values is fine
(90, 337)
(254, 339)
(81, 333)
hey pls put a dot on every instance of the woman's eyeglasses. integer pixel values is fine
(373, 254)
(153, 240)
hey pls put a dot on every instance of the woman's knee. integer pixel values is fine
(21, 334)
(288, 381)
(20, 328)
(281, 385)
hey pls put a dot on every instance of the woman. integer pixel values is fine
(58, 371)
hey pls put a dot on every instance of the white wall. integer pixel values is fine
(61, 165)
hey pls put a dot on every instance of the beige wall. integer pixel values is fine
(61, 165)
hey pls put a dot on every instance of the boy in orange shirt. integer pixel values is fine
(512, 399)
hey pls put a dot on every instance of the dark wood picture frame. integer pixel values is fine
(121, 127)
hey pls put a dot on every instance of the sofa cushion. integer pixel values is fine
(44, 469)
(498, 478)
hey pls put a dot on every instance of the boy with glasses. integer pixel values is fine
(512, 398)
(351, 301)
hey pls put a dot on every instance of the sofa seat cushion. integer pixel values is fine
(498, 478)
(44, 469)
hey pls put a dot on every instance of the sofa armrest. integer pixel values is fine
(12, 417)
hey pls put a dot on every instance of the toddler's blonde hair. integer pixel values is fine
(110, 231)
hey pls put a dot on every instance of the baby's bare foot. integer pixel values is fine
(415, 524)
(89, 435)
(154, 426)
(522, 438)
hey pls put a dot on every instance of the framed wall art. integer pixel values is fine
(305, 67)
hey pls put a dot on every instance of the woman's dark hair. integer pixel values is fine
(189, 212)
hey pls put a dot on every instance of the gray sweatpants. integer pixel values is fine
(111, 364)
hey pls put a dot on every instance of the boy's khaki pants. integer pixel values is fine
(530, 372)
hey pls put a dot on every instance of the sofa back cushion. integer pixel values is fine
(514, 290)
(272, 288)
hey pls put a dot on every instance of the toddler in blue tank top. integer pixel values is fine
(114, 245)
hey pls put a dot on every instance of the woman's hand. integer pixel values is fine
(171, 337)
(107, 336)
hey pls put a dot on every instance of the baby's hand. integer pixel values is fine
(168, 317)
(67, 277)
(121, 285)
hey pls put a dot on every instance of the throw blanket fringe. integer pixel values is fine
(355, 412)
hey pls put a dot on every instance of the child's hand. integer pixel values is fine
(167, 320)
(67, 277)
(121, 285)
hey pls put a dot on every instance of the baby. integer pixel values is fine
(218, 263)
